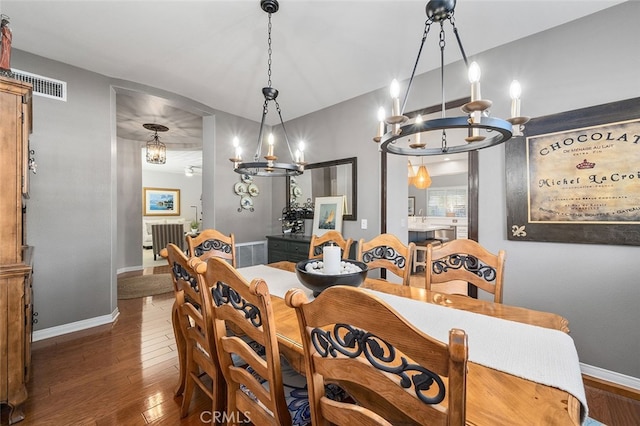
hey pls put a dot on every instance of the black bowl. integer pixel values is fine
(318, 282)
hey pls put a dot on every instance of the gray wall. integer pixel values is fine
(594, 286)
(69, 220)
(71, 213)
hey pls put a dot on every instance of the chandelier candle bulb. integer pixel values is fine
(331, 259)
(270, 141)
(474, 79)
(418, 122)
(395, 97)
(301, 152)
(515, 91)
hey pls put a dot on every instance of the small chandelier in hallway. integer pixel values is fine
(156, 150)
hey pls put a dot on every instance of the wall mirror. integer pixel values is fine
(326, 179)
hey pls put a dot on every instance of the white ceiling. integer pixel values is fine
(215, 51)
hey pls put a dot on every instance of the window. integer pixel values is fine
(447, 202)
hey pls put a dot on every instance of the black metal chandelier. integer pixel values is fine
(397, 135)
(270, 167)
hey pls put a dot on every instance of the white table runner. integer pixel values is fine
(538, 354)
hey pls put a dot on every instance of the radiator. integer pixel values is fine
(164, 234)
(251, 253)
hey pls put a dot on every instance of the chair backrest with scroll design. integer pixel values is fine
(388, 252)
(465, 260)
(395, 372)
(246, 307)
(195, 339)
(211, 242)
(318, 242)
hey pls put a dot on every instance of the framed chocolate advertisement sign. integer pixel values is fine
(575, 177)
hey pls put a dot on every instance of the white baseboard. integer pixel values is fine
(610, 376)
(75, 326)
(129, 269)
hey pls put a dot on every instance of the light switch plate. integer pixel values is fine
(363, 224)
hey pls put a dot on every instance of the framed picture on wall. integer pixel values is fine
(574, 177)
(327, 215)
(412, 206)
(161, 202)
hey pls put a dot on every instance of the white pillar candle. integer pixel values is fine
(331, 259)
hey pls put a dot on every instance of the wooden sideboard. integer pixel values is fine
(291, 247)
(15, 255)
(294, 248)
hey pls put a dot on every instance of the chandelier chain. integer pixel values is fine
(269, 52)
(443, 143)
(442, 44)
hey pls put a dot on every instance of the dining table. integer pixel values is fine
(497, 394)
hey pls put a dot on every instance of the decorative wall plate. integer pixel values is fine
(247, 178)
(240, 188)
(297, 191)
(246, 202)
(253, 190)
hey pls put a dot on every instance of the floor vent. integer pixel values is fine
(251, 253)
(43, 86)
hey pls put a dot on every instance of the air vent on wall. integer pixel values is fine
(43, 86)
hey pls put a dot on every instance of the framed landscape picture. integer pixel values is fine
(328, 214)
(161, 202)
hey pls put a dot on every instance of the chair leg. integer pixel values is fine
(181, 345)
(219, 399)
(188, 390)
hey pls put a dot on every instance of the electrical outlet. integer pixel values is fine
(363, 224)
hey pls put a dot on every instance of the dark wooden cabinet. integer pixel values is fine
(15, 255)
(293, 248)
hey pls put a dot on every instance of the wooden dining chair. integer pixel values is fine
(318, 242)
(193, 330)
(396, 373)
(270, 393)
(465, 260)
(211, 242)
(388, 252)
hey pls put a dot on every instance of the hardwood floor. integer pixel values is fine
(125, 374)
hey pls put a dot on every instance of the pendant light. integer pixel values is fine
(479, 129)
(270, 167)
(422, 179)
(156, 150)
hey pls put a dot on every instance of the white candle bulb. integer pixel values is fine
(381, 117)
(395, 97)
(236, 145)
(515, 91)
(301, 151)
(418, 121)
(474, 79)
(270, 142)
